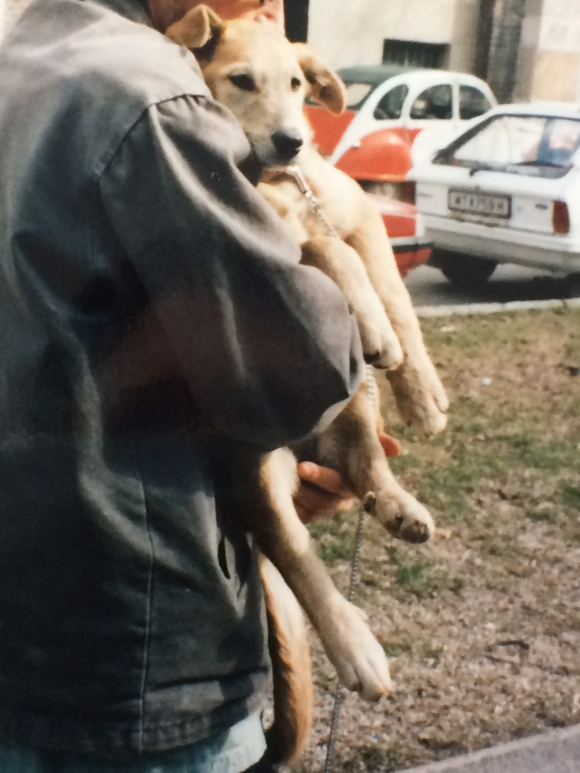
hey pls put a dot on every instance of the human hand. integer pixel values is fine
(321, 494)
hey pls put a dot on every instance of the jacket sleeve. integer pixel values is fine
(267, 346)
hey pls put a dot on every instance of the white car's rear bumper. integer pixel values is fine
(553, 253)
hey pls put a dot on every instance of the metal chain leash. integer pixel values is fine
(296, 173)
(353, 585)
(339, 695)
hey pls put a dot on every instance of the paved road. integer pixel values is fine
(557, 751)
(428, 287)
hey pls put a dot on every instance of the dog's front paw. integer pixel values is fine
(387, 358)
(381, 347)
(360, 661)
(402, 516)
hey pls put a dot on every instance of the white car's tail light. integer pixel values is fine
(560, 218)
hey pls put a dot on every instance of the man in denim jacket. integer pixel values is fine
(146, 291)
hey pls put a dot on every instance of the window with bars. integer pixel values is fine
(296, 12)
(415, 54)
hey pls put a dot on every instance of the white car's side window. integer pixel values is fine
(472, 102)
(390, 106)
(435, 103)
(356, 94)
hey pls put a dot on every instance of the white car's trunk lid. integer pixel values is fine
(492, 198)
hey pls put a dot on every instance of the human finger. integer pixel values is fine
(325, 478)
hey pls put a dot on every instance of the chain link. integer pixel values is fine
(297, 174)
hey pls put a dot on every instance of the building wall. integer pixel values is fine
(556, 72)
(528, 53)
(354, 32)
(549, 51)
(463, 38)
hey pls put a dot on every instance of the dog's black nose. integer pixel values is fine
(287, 143)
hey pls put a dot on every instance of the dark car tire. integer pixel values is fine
(572, 286)
(464, 271)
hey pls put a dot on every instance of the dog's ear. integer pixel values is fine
(325, 85)
(199, 30)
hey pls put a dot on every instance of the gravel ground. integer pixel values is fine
(483, 626)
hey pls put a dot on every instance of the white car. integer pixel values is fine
(507, 190)
(415, 100)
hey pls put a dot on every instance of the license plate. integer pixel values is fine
(479, 204)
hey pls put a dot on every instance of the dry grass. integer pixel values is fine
(482, 627)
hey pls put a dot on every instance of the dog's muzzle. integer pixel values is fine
(287, 144)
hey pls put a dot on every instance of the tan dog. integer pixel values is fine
(263, 79)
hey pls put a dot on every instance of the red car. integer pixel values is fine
(404, 225)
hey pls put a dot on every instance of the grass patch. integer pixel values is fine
(335, 538)
(516, 440)
(425, 580)
(484, 625)
(570, 496)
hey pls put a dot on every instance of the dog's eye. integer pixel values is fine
(243, 82)
(295, 84)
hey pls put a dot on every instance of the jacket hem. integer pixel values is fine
(121, 739)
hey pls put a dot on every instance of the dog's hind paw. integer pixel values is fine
(404, 518)
(360, 661)
(386, 358)
(420, 397)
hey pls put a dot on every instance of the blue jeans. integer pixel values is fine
(232, 751)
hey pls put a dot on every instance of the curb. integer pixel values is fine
(557, 751)
(494, 308)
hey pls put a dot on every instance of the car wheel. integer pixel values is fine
(464, 271)
(572, 285)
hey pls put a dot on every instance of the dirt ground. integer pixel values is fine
(483, 626)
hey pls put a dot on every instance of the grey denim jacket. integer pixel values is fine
(146, 293)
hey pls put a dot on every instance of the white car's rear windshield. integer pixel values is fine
(534, 145)
(357, 93)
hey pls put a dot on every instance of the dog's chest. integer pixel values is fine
(293, 206)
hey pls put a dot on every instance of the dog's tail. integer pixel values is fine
(291, 666)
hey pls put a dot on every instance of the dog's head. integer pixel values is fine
(262, 78)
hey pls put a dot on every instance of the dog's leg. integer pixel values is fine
(340, 262)
(359, 659)
(420, 396)
(351, 445)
